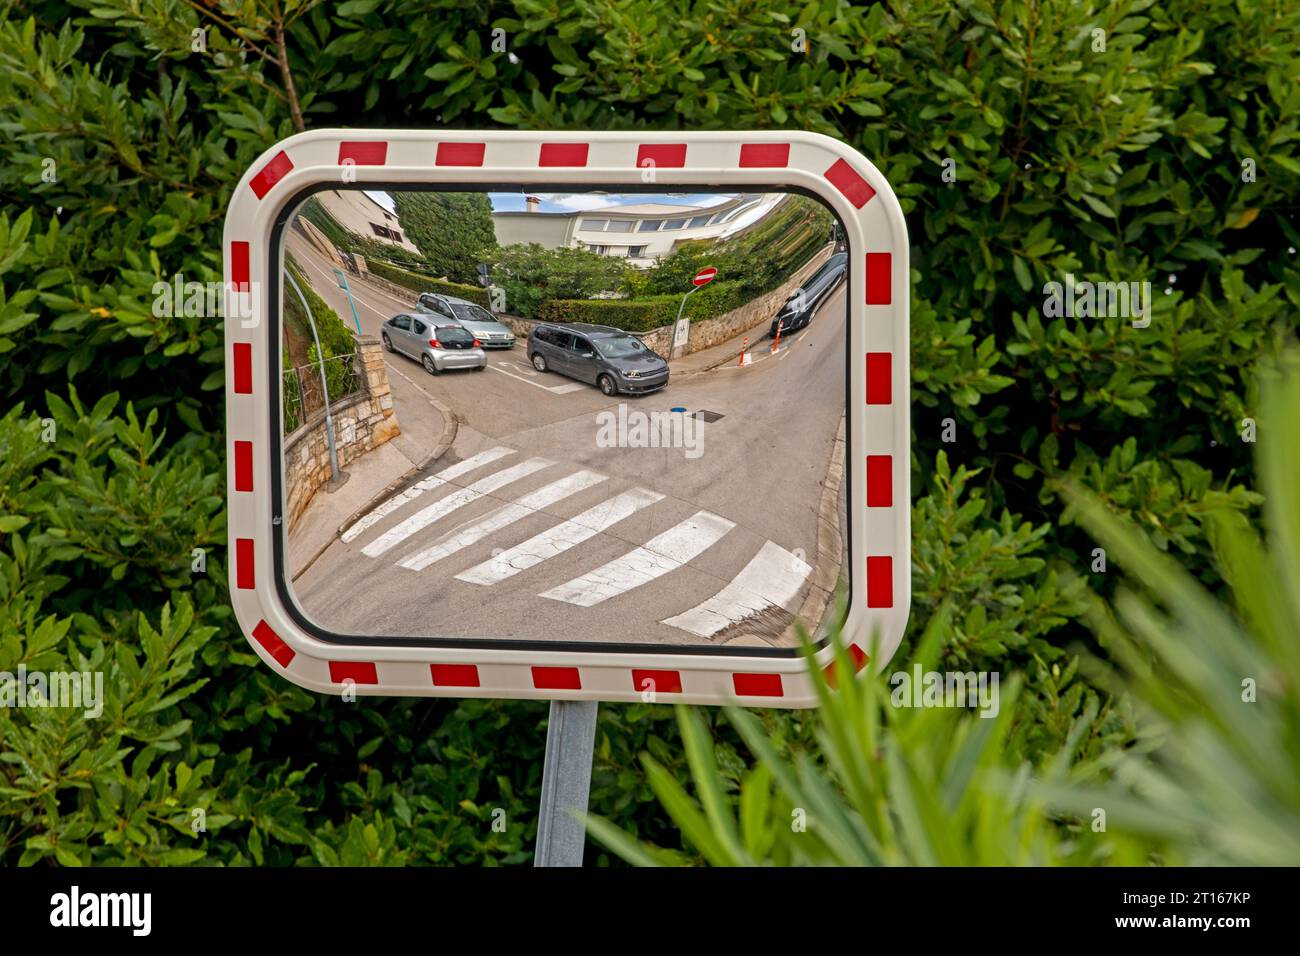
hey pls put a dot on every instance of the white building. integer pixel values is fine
(358, 213)
(641, 233)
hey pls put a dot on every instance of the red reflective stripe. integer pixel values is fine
(878, 292)
(563, 154)
(239, 269)
(556, 678)
(667, 155)
(758, 685)
(857, 657)
(271, 173)
(461, 154)
(767, 155)
(454, 675)
(243, 466)
(880, 481)
(359, 672)
(657, 682)
(878, 378)
(245, 575)
(848, 181)
(363, 154)
(880, 581)
(280, 652)
(242, 365)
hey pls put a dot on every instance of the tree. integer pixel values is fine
(453, 231)
(530, 274)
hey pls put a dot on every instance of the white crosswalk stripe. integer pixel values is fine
(661, 554)
(450, 473)
(561, 538)
(457, 499)
(529, 504)
(772, 578)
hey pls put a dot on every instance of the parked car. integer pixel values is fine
(437, 345)
(817, 288)
(609, 358)
(478, 320)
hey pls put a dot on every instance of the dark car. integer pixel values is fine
(801, 308)
(597, 354)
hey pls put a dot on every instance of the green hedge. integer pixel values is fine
(639, 315)
(652, 312)
(336, 336)
(422, 283)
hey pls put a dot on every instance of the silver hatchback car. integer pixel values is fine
(438, 347)
(481, 322)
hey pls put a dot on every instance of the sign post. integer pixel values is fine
(682, 327)
(343, 284)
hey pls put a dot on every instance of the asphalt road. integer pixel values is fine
(530, 529)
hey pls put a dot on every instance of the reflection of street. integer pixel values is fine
(527, 528)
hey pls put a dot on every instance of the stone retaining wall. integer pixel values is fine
(363, 421)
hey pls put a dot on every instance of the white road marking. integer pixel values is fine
(553, 389)
(772, 579)
(561, 538)
(457, 499)
(661, 554)
(529, 504)
(381, 511)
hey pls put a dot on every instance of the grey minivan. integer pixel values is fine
(618, 363)
(437, 346)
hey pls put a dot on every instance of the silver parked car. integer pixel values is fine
(477, 319)
(438, 346)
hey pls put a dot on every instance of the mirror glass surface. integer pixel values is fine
(598, 416)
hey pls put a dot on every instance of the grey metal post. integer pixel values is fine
(320, 354)
(680, 309)
(566, 783)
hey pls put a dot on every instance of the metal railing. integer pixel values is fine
(302, 387)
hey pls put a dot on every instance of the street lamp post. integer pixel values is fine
(324, 387)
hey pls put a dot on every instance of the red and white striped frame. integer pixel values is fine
(878, 421)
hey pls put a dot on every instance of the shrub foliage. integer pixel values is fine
(1021, 148)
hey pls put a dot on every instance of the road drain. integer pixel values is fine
(708, 417)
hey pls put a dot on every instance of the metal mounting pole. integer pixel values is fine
(320, 354)
(566, 783)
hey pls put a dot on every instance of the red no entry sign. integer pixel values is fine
(704, 276)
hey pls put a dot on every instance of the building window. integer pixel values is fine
(384, 232)
(648, 225)
(620, 225)
(674, 223)
(635, 252)
(697, 222)
(594, 225)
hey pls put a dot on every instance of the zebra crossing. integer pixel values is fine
(416, 536)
